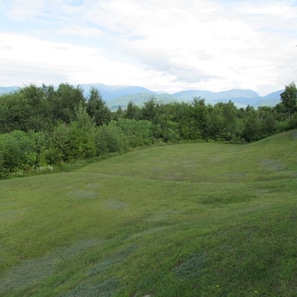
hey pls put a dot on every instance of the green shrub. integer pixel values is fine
(137, 132)
(110, 139)
(21, 151)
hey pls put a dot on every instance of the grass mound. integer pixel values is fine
(203, 219)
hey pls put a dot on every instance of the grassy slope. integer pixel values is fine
(202, 219)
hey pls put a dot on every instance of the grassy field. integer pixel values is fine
(199, 219)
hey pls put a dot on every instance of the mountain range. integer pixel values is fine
(116, 96)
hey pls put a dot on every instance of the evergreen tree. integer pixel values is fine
(132, 111)
(97, 109)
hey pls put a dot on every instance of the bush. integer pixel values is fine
(21, 151)
(110, 139)
(70, 142)
(137, 132)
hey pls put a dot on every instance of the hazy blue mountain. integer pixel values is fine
(270, 100)
(107, 92)
(241, 98)
(112, 92)
(139, 99)
(213, 96)
(273, 95)
(5, 90)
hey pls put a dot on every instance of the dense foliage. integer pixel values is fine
(41, 127)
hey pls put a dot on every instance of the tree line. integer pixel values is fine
(42, 127)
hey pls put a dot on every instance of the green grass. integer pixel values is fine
(203, 219)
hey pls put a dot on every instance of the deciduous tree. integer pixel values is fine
(289, 98)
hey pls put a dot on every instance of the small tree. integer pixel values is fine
(149, 109)
(289, 98)
(132, 111)
(97, 109)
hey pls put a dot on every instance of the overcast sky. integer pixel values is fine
(164, 45)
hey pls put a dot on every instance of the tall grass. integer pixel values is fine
(204, 219)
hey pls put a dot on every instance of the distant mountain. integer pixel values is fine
(112, 92)
(213, 96)
(107, 92)
(116, 96)
(241, 98)
(139, 99)
(236, 95)
(5, 90)
(270, 100)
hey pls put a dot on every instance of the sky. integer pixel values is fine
(163, 45)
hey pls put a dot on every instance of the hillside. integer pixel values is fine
(195, 219)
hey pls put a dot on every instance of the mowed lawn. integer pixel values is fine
(196, 219)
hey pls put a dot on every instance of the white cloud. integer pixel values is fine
(78, 31)
(76, 64)
(282, 9)
(164, 45)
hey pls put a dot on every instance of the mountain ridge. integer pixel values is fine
(121, 95)
(240, 97)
